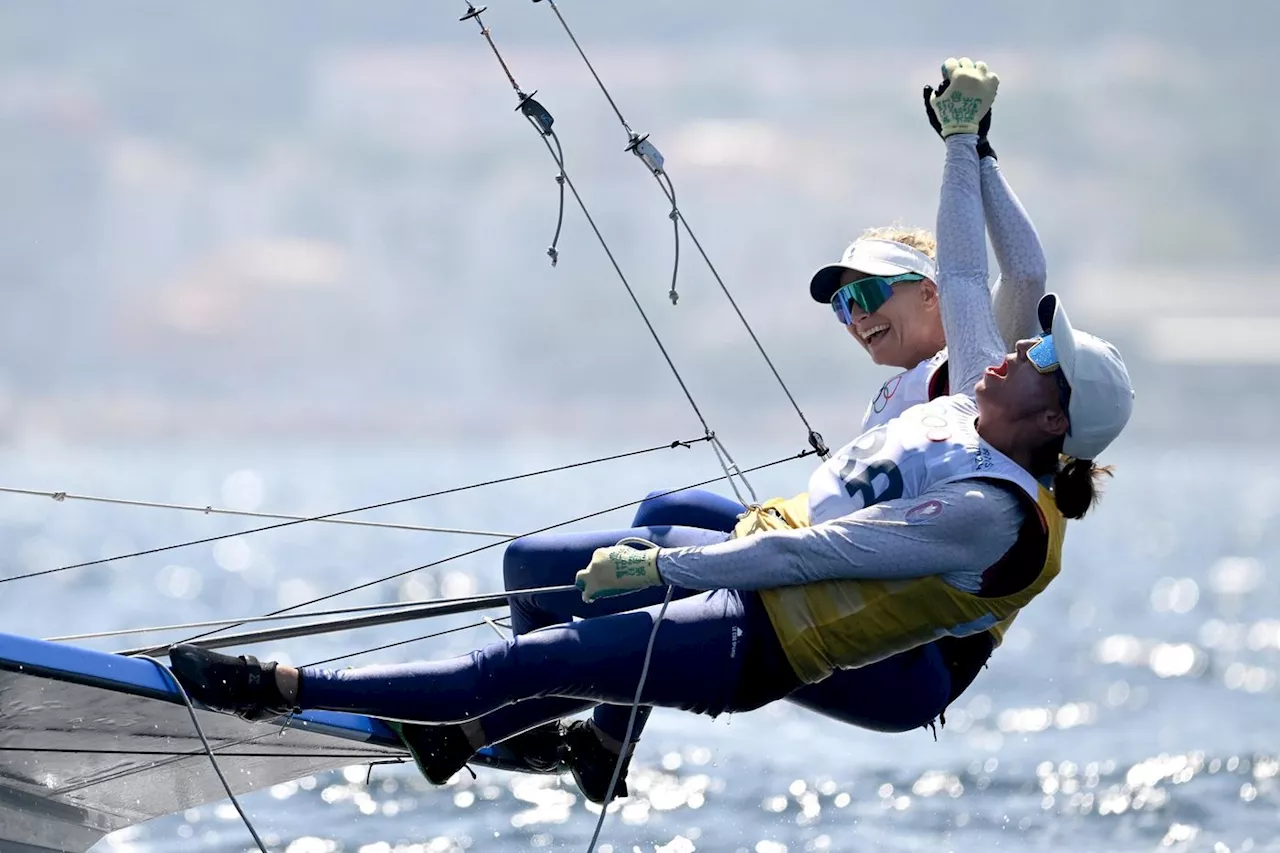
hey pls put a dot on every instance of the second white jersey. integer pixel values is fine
(906, 389)
(927, 445)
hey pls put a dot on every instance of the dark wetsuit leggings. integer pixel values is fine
(703, 650)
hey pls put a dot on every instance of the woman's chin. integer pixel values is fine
(986, 392)
(886, 355)
(882, 352)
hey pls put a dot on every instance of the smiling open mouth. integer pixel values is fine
(875, 333)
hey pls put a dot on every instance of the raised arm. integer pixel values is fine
(973, 341)
(1019, 254)
(893, 540)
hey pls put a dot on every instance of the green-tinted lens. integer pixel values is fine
(867, 293)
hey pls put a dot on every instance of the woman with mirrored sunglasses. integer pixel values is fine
(942, 522)
(884, 292)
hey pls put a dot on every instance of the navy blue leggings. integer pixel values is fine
(713, 652)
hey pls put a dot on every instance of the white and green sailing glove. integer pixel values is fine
(968, 89)
(618, 569)
(984, 126)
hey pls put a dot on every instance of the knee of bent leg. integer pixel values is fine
(546, 559)
(655, 507)
(520, 562)
(688, 508)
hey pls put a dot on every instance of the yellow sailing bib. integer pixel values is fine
(851, 623)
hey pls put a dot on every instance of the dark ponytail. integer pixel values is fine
(1077, 483)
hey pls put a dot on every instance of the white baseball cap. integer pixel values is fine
(1101, 393)
(871, 256)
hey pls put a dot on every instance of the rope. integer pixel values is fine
(208, 750)
(542, 121)
(727, 463)
(635, 706)
(552, 251)
(450, 491)
(491, 622)
(645, 150)
(173, 753)
(486, 547)
(212, 510)
(436, 603)
(649, 154)
(312, 629)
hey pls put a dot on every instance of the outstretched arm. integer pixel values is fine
(1019, 254)
(933, 534)
(973, 341)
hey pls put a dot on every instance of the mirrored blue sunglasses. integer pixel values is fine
(1043, 356)
(867, 293)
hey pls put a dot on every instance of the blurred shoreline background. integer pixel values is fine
(317, 222)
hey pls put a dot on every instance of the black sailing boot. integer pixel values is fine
(439, 751)
(592, 762)
(540, 748)
(242, 685)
